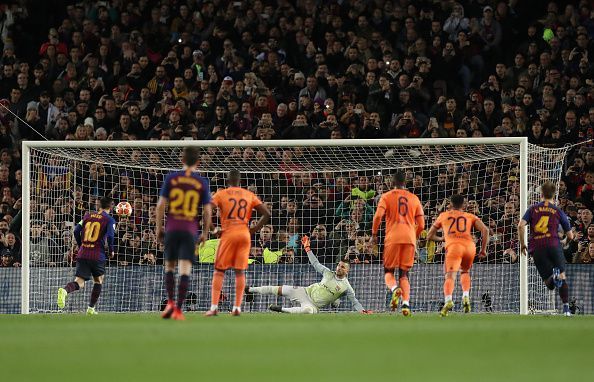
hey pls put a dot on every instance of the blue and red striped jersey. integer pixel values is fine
(186, 192)
(544, 219)
(93, 233)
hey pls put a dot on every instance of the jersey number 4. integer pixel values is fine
(184, 202)
(542, 226)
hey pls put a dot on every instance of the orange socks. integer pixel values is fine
(465, 281)
(390, 280)
(239, 288)
(448, 287)
(405, 285)
(217, 286)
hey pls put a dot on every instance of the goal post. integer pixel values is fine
(62, 176)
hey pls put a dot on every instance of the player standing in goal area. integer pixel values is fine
(90, 234)
(310, 299)
(185, 191)
(405, 221)
(460, 249)
(235, 206)
(544, 246)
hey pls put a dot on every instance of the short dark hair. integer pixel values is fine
(234, 177)
(105, 202)
(190, 156)
(548, 189)
(457, 201)
(399, 178)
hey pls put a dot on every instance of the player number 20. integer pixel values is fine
(542, 226)
(184, 202)
(92, 231)
(459, 222)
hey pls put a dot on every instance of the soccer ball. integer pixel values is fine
(123, 209)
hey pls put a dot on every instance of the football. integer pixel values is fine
(123, 209)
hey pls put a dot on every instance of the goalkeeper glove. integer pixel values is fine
(306, 243)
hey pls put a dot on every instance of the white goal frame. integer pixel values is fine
(522, 142)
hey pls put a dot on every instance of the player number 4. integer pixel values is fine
(542, 226)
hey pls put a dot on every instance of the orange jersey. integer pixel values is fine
(235, 207)
(404, 217)
(456, 226)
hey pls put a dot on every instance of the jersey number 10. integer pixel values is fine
(92, 231)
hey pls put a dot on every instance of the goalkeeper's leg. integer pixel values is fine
(266, 290)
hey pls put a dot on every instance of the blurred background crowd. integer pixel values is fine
(258, 70)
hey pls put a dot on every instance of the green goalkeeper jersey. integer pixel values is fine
(331, 288)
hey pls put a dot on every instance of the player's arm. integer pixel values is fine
(160, 216)
(78, 233)
(380, 212)
(566, 226)
(432, 234)
(264, 213)
(313, 260)
(206, 222)
(350, 294)
(522, 236)
(110, 236)
(480, 226)
(419, 219)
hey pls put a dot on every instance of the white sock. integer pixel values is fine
(272, 290)
(393, 288)
(448, 298)
(465, 293)
(405, 302)
(298, 310)
(214, 307)
(237, 308)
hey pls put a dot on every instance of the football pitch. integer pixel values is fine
(280, 347)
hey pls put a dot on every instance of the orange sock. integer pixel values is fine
(390, 280)
(239, 288)
(217, 286)
(405, 285)
(448, 287)
(465, 281)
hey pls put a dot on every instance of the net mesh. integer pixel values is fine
(327, 192)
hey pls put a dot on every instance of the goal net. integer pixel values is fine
(326, 189)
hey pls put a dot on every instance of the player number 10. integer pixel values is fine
(92, 231)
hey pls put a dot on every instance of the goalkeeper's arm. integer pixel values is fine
(313, 260)
(78, 233)
(350, 294)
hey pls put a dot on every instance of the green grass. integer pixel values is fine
(325, 347)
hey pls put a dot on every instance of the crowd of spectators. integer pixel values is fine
(221, 70)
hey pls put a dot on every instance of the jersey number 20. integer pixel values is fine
(184, 202)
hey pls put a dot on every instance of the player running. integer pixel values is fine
(545, 248)
(310, 299)
(460, 249)
(405, 221)
(91, 233)
(235, 206)
(185, 191)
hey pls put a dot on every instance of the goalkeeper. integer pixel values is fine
(312, 298)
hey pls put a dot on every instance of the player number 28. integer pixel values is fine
(542, 226)
(92, 231)
(239, 208)
(184, 202)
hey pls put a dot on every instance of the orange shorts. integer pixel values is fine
(459, 255)
(398, 255)
(234, 250)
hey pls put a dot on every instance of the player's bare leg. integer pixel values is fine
(390, 280)
(448, 290)
(72, 286)
(239, 289)
(170, 266)
(185, 268)
(95, 292)
(465, 282)
(405, 286)
(217, 285)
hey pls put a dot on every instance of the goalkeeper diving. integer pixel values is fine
(333, 286)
